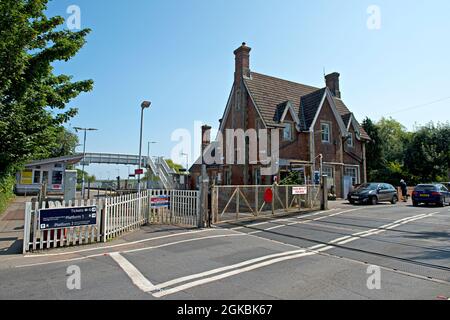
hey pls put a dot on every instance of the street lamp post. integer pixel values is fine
(144, 105)
(84, 155)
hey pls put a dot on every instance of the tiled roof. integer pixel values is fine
(270, 93)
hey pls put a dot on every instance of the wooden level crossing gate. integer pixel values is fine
(86, 222)
(232, 203)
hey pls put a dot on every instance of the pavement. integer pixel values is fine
(349, 252)
(11, 227)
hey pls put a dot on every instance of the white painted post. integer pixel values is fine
(104, 221)
(27, 226)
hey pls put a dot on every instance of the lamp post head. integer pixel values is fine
(84, 129)
(146, 104)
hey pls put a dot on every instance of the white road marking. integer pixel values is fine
(271, 220)
(226, 275)
(135, 275)
(302, 222)
(131, 250)
(121, 244)
(234, 266)
(306, 252)
(182, 241)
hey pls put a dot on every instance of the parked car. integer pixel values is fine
(435, 193)
(372, 193)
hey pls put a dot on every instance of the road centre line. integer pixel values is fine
(301, 253)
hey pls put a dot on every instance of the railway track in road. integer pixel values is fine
(396, 263)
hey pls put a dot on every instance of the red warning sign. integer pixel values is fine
(268, 195)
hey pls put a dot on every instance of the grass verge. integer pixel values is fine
(6, 192)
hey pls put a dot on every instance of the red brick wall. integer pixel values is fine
(331, 151)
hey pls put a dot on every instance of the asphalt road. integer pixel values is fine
(323, 255)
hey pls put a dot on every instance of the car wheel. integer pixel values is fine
(351, 201)
(441, 204)
(373, 201)
(394, 200)
(415, 204)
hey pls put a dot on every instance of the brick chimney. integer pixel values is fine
(332, 82)
(206, 137)
(242, 57)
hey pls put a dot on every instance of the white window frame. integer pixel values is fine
(356, 178)
(291, 133)
(350, 141)
(322, 132)
(37, 172)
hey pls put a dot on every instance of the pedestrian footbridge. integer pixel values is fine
(158, 167)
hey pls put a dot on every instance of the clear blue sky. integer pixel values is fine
(179, 55)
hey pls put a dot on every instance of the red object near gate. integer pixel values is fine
(268, 195)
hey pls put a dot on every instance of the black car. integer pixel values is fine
(372, 193)
(431, 193)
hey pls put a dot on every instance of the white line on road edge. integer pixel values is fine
(303, 222)
(135, 275)
(183, 241)
(271, 219)
(131, 250)
(310, 251)
(119, 245)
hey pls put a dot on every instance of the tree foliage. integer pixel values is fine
(418, 157)
(32, 98)
(374, 149)
(175, 166)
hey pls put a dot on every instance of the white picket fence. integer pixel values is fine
(124, 214)
(115, 216)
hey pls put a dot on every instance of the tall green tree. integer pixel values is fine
(393, 136)
(427, 156)
(33, 98)
(374, 150)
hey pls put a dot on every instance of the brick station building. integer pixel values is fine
(312, 122)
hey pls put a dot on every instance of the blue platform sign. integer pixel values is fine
(67, 217)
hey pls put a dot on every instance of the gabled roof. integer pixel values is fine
(270, 93)
(282, 111)
(309, 105)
